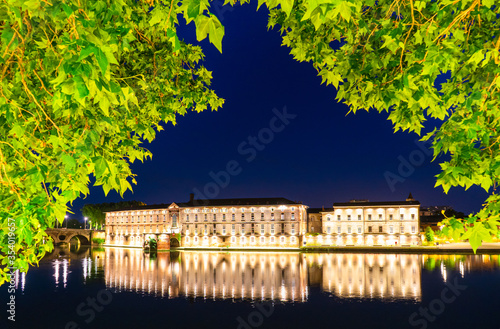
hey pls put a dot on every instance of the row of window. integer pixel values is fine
(242, 239)
(144, 219)
(233, 217)
(208, 230)
(380, 217)
(370, 229)
(225, 210)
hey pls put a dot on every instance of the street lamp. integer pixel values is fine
(90, 224)
(66, 219)
(85, 227)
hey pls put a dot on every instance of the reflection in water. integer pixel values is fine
(262, 276)
(369, 275)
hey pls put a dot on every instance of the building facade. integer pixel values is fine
(212, 223)
(364, 223)
(277, 223)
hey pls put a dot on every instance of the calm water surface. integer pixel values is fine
(125, 288)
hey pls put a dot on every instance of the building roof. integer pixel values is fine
(377, 203)
(237, 202)
(145, 207)
(317, 210)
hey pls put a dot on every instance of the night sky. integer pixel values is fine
(321, 156)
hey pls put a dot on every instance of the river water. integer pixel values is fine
(126, 288)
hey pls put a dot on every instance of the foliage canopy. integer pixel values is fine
(83, 83)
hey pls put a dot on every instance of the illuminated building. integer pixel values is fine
(212, 223)
(364, 223)
(242, 223)
(276, 223)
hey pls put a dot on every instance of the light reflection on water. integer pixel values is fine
(279, 276)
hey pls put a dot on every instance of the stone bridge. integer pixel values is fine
(64, 235)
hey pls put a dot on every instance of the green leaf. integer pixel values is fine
(286, 6)
(102, 60)
(81, 87)
(100, 166)
(69, 162)
(212, 27)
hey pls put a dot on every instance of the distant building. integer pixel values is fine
(245, 223)
(364, 223)
(431, 216)
(212, 223)
(314, 219)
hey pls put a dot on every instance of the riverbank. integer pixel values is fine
(451, 248)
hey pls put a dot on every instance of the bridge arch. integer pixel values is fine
(81, 238)
(174, 243)
(64, 236)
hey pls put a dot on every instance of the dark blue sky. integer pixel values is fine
(322, 156)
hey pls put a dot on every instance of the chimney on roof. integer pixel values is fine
(191, 197)
(410, 198)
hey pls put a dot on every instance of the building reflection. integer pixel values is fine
(380, 276)
(256, 276)
(263, 276)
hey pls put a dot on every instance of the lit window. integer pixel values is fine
(328, 230)
(223, 229)
(282, 239)
(272, 228)
(293, 216)
(293, 208)
(293, 228)
(348, 229)
(233, 229)
(252, 239)
(359, 229)
(233, 239)
(243, 229)
(262, 229)
(282, 216)
(262, 240)
(272, 239)
(339, 229)
(402, 229)
(292, 239)
(391, 230)
(413, 229)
